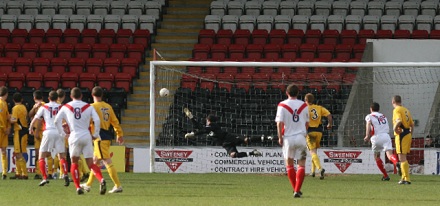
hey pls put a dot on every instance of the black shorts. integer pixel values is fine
(230, 148)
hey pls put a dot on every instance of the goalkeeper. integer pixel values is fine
(227, 140)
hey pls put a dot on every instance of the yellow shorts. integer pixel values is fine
(314, 140)
(403, 145)
(20, 142)
(102, 148)
(3, 139)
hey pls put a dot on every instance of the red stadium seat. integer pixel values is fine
(225, 80)
(41, 65)
(107, 36)
(248, 70)
(313, 36)
(105, 80)
(295, 36)
(307, 51)
(12, 50)
(3, 78)
(242, 36)
(58, 65)
(142, 37)
(272, 51)
(338, 70)
(384, 34)
(87, 80)
(6, 64)
(320, 70)
(326, 51)
(136, 51)
(194, 70)
(207, 85)
(358, 50)
(237, 51)
(219, 52)
(118, 51)
(260, 77)
(402, 34)
(366, 34)
(34, 79)
(212, 70)
(343, 51)
(302, 70)
(83, 50)
(48, 50)
(201, 52)
(54, 36)
(51, 80)
(5, 36)
(124, 80)
(123, 36)
(89, 36)
(330, 37)
(206, 36)
(19, 36)
(65, 50)
(259, 36)
(100, 51)
(243, 77)
(23, 65)
(69, 80)
(230, 70)
(130, 66)
(29, 50)
(16, 80)
(76, 65)
(254, 51)
(289, 51)
(348, 37)
(111, 66)
(420, 34)
(72, 36)
(224, 36)
(189, 85)
(36, 36)
(435, 34)
(244, 85)
(94, 65)
(277, 36)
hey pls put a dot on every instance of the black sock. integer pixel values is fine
(242, 154)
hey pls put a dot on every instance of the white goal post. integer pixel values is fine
(428, 71)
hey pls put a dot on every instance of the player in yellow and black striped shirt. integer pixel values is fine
(102, 146)
(5, 128)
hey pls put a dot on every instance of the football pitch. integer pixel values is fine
(229, 189)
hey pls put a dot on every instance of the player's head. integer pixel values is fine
(397, 100)
(292, 90)
(17, 97)
(375, 107)
(38, 95)
(75, 93)
(309, 98)
(53, 96)
(97, 92)
(211, 118)
(61, 95)
(3, 91)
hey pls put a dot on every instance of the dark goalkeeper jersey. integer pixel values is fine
(213, 131)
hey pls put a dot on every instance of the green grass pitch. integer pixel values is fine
(229, 189)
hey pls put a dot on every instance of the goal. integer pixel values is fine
(244, 96)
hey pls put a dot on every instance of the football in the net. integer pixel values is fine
(164, 92)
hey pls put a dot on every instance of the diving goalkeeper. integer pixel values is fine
(214, 131)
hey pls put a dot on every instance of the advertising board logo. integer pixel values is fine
(173, 158)
(342, 159)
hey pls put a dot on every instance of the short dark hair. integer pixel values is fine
(53, 96)
(38, 95)
(97, 91)
(292, 90)
(61, 93)
(17, 97)
(375, 106)
(211, 118)
(76, 93)
(3, 91)
(397, 99)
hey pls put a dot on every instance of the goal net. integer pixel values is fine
(244, 97)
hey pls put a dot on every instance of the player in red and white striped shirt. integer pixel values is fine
(292, 123)
(377, 127)
(78, 115)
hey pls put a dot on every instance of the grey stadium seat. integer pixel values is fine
(235, 8)
(265, 22)
(25, 22)
(305, 8)
(31, 7)
(300, 22)
(358, 8)
(335, 22)
(424, 22)
(341, 8)
(130, 22)
(429, 8)
(248, 22)
(407, 22)
(376, 8)
(353, 22)
(14, 7)
(66, 7)
(135, 8)
(230, 22)
(388, 22)
(411, 8)
(318, 22)
(323, 8)
(49, 7)
(100, 8)
(271, 8)
(218, 8)
(371, 22)
(437, 22)
(43, 22)
(283, 22)
(393, 8)
(147, 22)
(2, 7)
(153, 9)
(84, 8)
(288, 8)
(213, 22)
(78, 22)
(8, 22)
(252, 8)
(118, 8)
(112, 22)
(93, 22)
(60, 21)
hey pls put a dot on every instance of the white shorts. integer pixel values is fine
(295, 147)
(52, 142)
(381, 142)
(81, 144)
